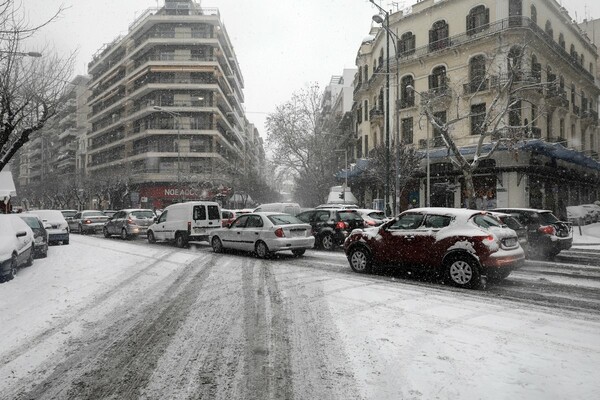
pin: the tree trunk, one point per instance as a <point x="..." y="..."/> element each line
<point x="470" y="188"/>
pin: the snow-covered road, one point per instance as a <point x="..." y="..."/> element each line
<point x="105" y="318"/>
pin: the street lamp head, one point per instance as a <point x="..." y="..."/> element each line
<point x="158" y="108"/>
<point x="377" y="18"/>
<point x="34" y="54"/>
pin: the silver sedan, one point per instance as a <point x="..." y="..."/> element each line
<point x="264" y="233"/>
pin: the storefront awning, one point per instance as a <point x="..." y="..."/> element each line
<point x="7" y="185"/>
<point x="355" y="170"/>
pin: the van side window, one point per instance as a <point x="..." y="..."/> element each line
<point x="213" y="212"/>
<point x="163" y="217"/>
<point x="200" y="213"/>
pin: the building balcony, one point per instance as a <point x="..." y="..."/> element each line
<point x="440" y="95"/>
<point x="375" y="114"/>
<point x="557" y="97"/>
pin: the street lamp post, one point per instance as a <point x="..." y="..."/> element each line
<point x="22" y="53"/>
<point x="178" y="119"/>
<point x="345" y="172"/>
<point x="385" y="23"/>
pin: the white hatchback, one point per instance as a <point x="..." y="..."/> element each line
<point x="16" y="245"/>
<point x="264" y="233"/>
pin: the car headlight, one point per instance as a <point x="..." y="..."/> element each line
<point x="39" y="239"/>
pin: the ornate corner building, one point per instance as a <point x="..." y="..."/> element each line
<point x="166" y="107"/>
<point x="455" y="55"/>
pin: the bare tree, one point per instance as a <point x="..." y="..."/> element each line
<point x="302" y="144"/>
<point x="498" y="124"/>
<point x="30" y="86"/>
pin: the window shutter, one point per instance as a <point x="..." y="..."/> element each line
<point x="432" y="36"/>
<point x="487" y="16"/>
<point x="470" y="24"/>
<point x="431" y="81"/>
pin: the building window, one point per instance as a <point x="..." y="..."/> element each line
<point x="440" y="118"/>
<point x="366" y="145"/>
<point x="514" y="113"/>
<point x="366" y="109"/>
<point x="366" y="71"/>
<point x="536" y="69"/>
<point x="407" y="94"/>
<point x="477" y="119"/>
<point x="515" y="56"/>
<point x="561" y="40"/>
<point x="437" y="79"/>
<point x="438" y="36"/>
<point x="477" y="79"/>
<point x="515" y="12"/>
<point x="406" y="44"/>
<point x="407" y="130"/>
<point x="478" y="20"/>
<point x="533" y="14"/>
<point x="549" y="30"/>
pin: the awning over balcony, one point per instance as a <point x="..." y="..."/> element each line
<point x="355" y="169"/>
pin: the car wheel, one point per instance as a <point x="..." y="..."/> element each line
<point x="360" y="260"/>
<point x="217" y="246"/>
<point x="262" y="251"/>
<point x="44" y="253"/>
<point x="105" y="231"/>
<point x="12" y="272"/>
<point x="124" y="234"/>
<point x="151" y="238"/>
<point x="65" y="241"/>
<point x="326" y="242"/>
<point x="180" y="240"/>
<point x="298" y="252"/>
<point x="462" y="271"/>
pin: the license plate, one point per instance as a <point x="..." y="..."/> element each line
<point x="298" y="232"/>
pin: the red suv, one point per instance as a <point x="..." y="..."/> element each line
<point x="461" y="244"/>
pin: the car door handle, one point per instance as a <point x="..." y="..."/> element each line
<point x="239" y="233"/>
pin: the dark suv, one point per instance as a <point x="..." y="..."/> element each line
<point x="330" y="226"/>
<point x="546" y="234"/>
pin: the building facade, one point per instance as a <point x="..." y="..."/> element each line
<point x="166" y="108"/>
<point x="455" y="55"/>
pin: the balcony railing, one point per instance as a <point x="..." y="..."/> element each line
<point x="375" y="113"/>
<point x="475" y="86"/>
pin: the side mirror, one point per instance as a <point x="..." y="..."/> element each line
<point x="47" y="225"/>
<point x="21" y="233"/>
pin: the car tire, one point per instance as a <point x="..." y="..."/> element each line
<point x="66" y="241"/>
<point x="326" y="241"/>
<point x="151" y="238"/>
<point x="262" y="250"/>
<point x="180" y="240"/>
<point x="81" y="232"/>
<point x="124" y="234"/>
<point x="298" y="252"/>
<point x="14" y="266"/>
<point x="216" y="244"/>
<point x="44" y="254"/>
<point x="462" y="271"/>
<point x="360" y="260"/>
<point x="105" y="231"/>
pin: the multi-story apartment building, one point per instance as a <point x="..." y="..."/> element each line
<point x="54" y="150"/>
<point x="166" y="107"/>
<point x="458" y="53"/>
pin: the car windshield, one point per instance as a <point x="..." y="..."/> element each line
<point x="547" y="218"/>
<point x="284" y="219"/>
<point x="33" y="222"/>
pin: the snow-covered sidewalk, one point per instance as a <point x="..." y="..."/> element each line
<point x="587" y="236"/>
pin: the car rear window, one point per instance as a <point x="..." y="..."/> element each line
<point x="142" y="214"/>
<point x="437" y="221"/>
<point x="284" y="219"/>
<point x="32" y="222"/>
<point x="485" y="221"/>
<point x="377" y="214"/>
<point x="547" y="218"/>
<point x="94" y="214"/>
<point x="349" y="215"/>
<point x="512" y="222"/>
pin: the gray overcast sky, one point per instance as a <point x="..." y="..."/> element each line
<point x="281" y="45"/>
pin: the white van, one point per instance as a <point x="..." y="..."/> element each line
<point x="286" y="208"/>
<point x="183" y="222"/>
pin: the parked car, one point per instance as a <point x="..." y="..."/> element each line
<point x="514" y="224"/>
<point x="58" y="228"/>
<point x="459" y="244"/>
<point x="40" y="234"/>
<point x="109" y="213"/>
<point x="16" y="245"/>
<point x="593" y="210"/>
<point x="88" y="221"/>
<point x="578" y="215"/>
<point x="182" y="222"/>
<point x="68" y="214"/>
<point x="129" y="223"/>
<point x="264" y="233"/>
<point x="331" y="226"/>
<point x="547" y="235"/>
<point x="372" y="217"/>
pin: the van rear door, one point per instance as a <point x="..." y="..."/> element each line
<point x="205" y="217"/>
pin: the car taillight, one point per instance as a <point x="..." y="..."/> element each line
<point x="371" y="223"/>
<point x="547" y="229"/>
<point x="341" y="225"/>
<point x="189" y="226"/>
<point x="279" y="232"/>
<point x="130" y="221"/>
<point x="87" y="221"/>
